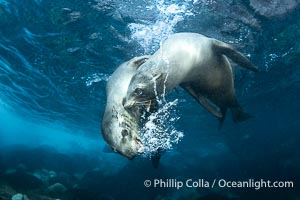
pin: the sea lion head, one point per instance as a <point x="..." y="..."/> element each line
<point x="121" y="133"/>
<point x="143" y="89"/>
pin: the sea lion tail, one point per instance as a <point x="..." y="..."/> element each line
<point x="239" y="115"/>
<point x="233" y="54"/>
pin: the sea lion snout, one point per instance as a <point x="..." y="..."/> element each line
<point x="140" y="147"/>
<point x="136" y="148"/>
<point x="124" y="101"/>
<point x="127" y="104"/>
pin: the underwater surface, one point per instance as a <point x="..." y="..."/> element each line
<point x="56" y="57"/>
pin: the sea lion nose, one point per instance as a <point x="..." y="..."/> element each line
<point x="140" y="145"/>
<point x="141" y="150"/>
<point x="124" y="101"/>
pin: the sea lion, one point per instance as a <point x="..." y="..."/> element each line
<point x="199" y="65"/>
<point x="119" y="126"/>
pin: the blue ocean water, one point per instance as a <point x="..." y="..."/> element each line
<point x="55" y="60"/>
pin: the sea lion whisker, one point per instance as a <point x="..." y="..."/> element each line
<point x="146" y="102"/>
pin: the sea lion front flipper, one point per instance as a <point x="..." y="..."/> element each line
<point x="155" y="157"/>
<point x="208" y="105"/>
<point x="234" y="55"/>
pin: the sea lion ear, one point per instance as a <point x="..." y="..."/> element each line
<point x="138" y="61"/>
<point x="158" y="77"/>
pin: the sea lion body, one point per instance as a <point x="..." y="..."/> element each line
<point x="198" y="64"/>
<point x="119" y="126"/>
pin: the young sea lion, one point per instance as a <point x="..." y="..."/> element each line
<point x="198" y="64"/>
<point x="120" y="127"/>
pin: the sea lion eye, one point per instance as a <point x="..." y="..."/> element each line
<point x="139" y="91"/>
<point x="124" y="133"/>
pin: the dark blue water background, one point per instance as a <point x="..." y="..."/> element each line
<point x="55" y="59"/>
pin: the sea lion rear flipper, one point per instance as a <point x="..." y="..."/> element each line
<point x="239" y="115"/>
<point x="233" y="54"/>
<point x="208" y="105"/>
